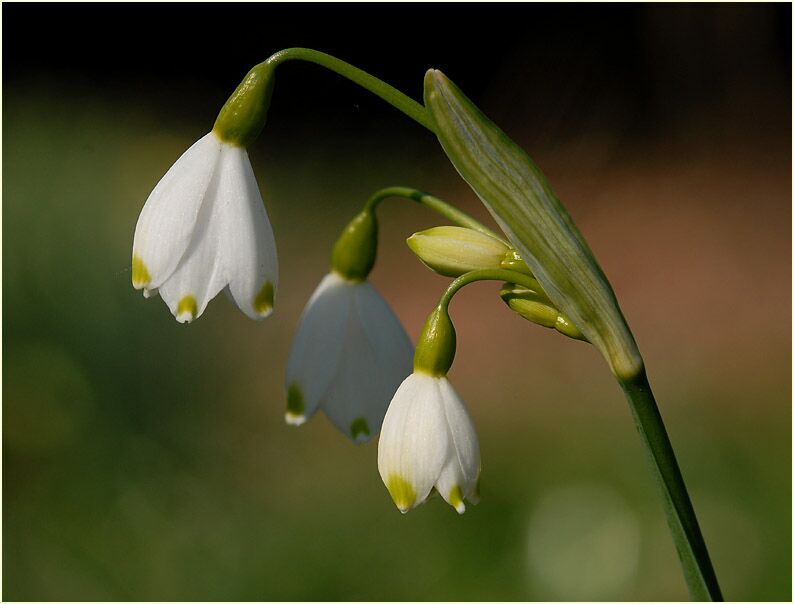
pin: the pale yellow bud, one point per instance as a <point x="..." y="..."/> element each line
<point x="452" y="251"/>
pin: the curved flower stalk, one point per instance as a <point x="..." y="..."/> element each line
<point x="203" y="228"/>
<point x="350" y="352"/>
<point x="428" y="439"/>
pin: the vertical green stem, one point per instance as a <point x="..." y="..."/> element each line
<point x="698" y="571"/>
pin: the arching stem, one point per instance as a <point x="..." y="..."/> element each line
<point x="376" y="86"/>
<point x="490" y="274"/>
<point x="434" y="203"/>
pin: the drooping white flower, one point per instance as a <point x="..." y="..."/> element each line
<point x="204" y="227"/>
<point x="349" y="356"/>
<point x="428" y="440"/>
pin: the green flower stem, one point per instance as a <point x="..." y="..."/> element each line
<point x="378" y="87"/>
<point x="489" y="274"/>
<point x="434" y="203"/>
<point x="698" y="571"/>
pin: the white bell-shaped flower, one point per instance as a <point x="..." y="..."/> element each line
<point x="204" y="227"/>
<point x="428" y="440"/>
<point x="349" y="356"/>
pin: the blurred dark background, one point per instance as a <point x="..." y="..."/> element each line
<point x="147" y="460"/>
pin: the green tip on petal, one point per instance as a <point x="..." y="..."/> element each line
<point x="140" y="274"/>
<point x="401" y="491"/>
<point x="456" y="499"/>
<point x="263" y="302"/>
<point x="295" y="406"/>
<point x="186" y="309"/>
<point x="359" y="430"/>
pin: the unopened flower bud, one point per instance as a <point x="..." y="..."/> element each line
<point x="452" y="251"/>
<point x="536" y="307"/>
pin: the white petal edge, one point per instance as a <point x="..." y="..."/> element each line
<point x="168" y="218"/>
<point x="249" y="249"/>
<point x="462" y="467"/>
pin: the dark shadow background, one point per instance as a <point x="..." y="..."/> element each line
<point x="146" y="460"/>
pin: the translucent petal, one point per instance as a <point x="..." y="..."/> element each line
<point x="318" y="343"/>
<point x="414" y="441"/>
<point x="386" y="335"/>
<point x="249" y="248"/>
<point x="376" y="358"/>
<point x="169" y="216"/>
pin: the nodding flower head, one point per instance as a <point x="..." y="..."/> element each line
<point x="428" y="440"/>
<point x="204" y="228"/>
<point x="350" y="352"/>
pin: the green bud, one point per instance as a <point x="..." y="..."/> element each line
<point x="452" y="251"/>
<point x="354" y="252"/>
<point x="243" y="116"/>
<point x="520" y="198"/>
<point x="536" y="307"/>
<point x="435" y="349"/>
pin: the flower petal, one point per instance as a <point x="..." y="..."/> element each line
<point x="458" y="478"/>
<point x="249" y="248"/>
<point x="317" y="347"/>
<point x="414" y="441"/>
<point x="199" y="276"/>
<point x="376" y="358"/>
<point x="390" y="344"/>
<point x="169" y="215"/>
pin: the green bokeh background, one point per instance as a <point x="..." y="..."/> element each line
<point x="143" y="459"/>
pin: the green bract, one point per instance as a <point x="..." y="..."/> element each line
<point x="243" y="116"/>
<point x="435" y="349"/>
<point x="520" y="198"/>
<point x="354" y="252"/>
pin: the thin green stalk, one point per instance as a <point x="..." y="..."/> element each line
<point x="378" y="87"/>
<point x="434" y="203"/>
<point x="698" y="571"/>
<point x="488" y="274"/>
